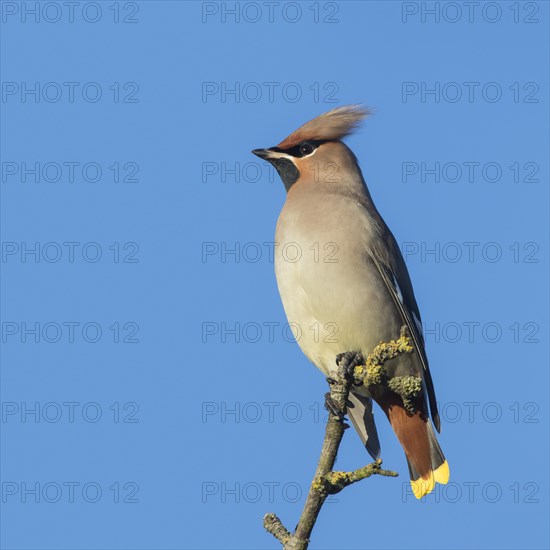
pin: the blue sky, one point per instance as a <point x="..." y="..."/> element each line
<point x="152" y="394"/>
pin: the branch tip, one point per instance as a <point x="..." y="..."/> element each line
<point x="274" y="525"/>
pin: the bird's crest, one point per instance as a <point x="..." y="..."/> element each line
<point x="332" y="125"/>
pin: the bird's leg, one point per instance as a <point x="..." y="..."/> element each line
<point x="333" y="407"/>
<point x="336" y="402"/>
<point x="349" y="360"/>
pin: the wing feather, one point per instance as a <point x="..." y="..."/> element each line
<point x="406" y="303"/>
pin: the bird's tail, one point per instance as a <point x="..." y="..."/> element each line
<point x="427" y="464"/>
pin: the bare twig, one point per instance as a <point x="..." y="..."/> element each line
<point x="326" y="481"/>
<point x="274" y="525"/>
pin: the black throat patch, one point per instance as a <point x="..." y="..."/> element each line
<point x="287" y="171"/>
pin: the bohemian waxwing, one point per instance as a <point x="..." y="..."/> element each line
<point x="344" y="283"/>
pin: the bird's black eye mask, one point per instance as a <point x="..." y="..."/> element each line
<point x="287" y="170"/>
<point x="303" y="149"/>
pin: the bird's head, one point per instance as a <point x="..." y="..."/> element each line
<point x="314" y="152"/>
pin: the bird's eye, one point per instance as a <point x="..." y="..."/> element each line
<point x="306" y="149"/>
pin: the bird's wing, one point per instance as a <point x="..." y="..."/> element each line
<point x="395" y="274"/>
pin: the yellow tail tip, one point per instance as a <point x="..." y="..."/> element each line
<point x="424" y="486"/>
<point x="442" y="473"/>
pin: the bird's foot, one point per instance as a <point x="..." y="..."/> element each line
<point x="347" y="362"/>
<point x="333" y="407"/>
<point x="340" y="381"/>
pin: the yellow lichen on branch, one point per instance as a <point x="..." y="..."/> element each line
<point x="333" y="482"/>
<point x="373" y="371"/>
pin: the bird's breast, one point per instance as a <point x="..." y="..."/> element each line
<point x="332" y="294"/>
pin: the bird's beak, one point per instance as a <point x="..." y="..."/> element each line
<point x="266" y="154"/>
<point x="282" y="162"/>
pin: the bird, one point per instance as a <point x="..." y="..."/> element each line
<point x="347" y="281"/>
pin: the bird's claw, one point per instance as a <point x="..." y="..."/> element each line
<point x="332" y="407"/>
<point x="348" y="361"/>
